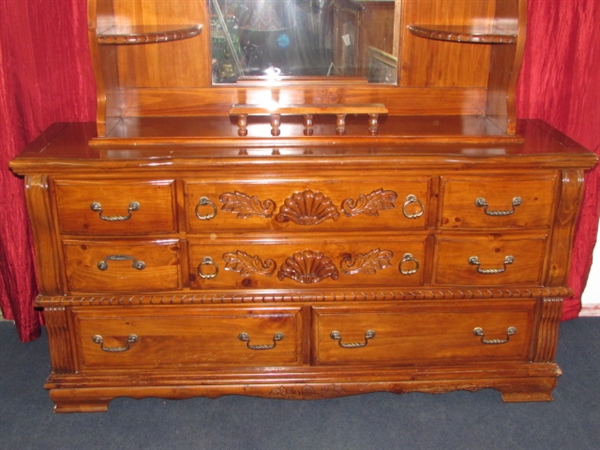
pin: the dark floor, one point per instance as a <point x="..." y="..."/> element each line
<point x="457" y="420"/>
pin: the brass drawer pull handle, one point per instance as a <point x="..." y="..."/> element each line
<point x="337" y="336"/>
<point x="136" y="264"/>
<point x="244" y="337"/>
<point x="132" y="339"/>
<point x="481" y="202"/>
<point x="474" y="261"/>
<point x="97" y="207"/>
<point x="510" y="331"/>
<point x="409" y="265"/>
<point x="411" y="200"/>
<point x="203" y="202"/>
<point x="207" y="261"/>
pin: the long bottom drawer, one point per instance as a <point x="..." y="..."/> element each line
<point x="171" y="337"/>
<point x="416" y="333"/>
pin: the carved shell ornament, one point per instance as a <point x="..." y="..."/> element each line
<point x="370" y="204"/>
<point x="308" y="267"/>
<point x="245" y="206"/>
<point x="247" y="265"/>
<point x="307" y="208"/>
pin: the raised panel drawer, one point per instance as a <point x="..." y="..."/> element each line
<point x="321" y="204"/>
<point x="167" y="337"/>
<point x="341" y="261"/>
<point x="118" y="266"/>
<point x="415" y="332"/>
<point x="490" y="260"/>
<point x="116" y="207"/>
<point x="497" y="202"/>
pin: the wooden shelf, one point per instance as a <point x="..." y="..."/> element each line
<point x="467" y="34"/>
<point x="223" y="131"/>
<point x="128" y="35"/>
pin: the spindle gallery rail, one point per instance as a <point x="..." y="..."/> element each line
<point x="373" y="110"/>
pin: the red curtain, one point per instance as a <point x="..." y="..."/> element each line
<point x="46" y="76"/>
<point x="560" y="83"/>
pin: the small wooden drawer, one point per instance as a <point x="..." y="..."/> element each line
<point x="116" y="207"/>
<point x="489" y="260"/>
<point x="109" y="338"/>
<point x="420" y="332"/>
<point x="497" y="202"/>
<point x="303" y="262"/>
<point x="118" y="266"/>
<point x="297" y="205"/>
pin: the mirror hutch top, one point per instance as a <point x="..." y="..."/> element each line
<point x="306" y="72"/>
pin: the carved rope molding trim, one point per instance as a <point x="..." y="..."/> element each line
<point x="215" y="297"/>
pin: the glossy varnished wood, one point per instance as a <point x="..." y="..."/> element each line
<point x="204" y="337"/>
<point x="178" y="257"/>
<point x="303" y="242"/>
<point x="435" y="77"/>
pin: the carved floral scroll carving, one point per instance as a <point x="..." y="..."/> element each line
<point x="367" y="263"/>
<point x="247" y="265"/>
<point x="308" y="267"/>
<point x="245" y="206"/>
<point x="307" y="208"/>
<point x="369" y="204"/>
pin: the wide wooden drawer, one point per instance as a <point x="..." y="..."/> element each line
<point x="118" y="266"/>
<point x="121" y="338"/>
<point x="497" y="202"/>
<point x="116" y="207"/>
<point x="299" y="205"/>
<point x="419" y="332"/>
<point x="304" y="262"/>
<point x="489" y="260"/>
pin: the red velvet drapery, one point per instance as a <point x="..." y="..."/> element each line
<point x="46" y="76"/>
<point x="560" y="83"/>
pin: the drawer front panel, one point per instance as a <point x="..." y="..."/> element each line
<point x="489" y="260"/>
<point x="425" y="332"/>
<point x="298" y="205"/>
<point x="380" y="260"/>
<point x="118" y="266"/>
<point x="116" y="207"/>
<point x="122" y="338"/>
<point x="495" y="202"/>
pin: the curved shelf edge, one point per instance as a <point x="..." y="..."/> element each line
<point x="144" y="36"/>
<point x="465" y="34"/>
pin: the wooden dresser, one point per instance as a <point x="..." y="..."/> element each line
<point x="426" y="249"/>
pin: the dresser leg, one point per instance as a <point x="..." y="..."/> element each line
<point x="76" y="401"/>
<point x="531" y="390"/>
<point x="515" y="397"/>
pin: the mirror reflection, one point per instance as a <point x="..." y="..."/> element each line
<point x="277" y="39"/>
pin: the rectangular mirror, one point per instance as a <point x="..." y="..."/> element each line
<point x="258" y="40"/>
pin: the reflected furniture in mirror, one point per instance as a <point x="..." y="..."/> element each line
<point x="238" y="221"/>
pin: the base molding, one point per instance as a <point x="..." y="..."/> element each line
<point x="77" y="393"/>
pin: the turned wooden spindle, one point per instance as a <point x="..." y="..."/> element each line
<point x="340" y="110"/>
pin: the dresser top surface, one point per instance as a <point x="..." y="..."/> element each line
<point x="67" y="147"/>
